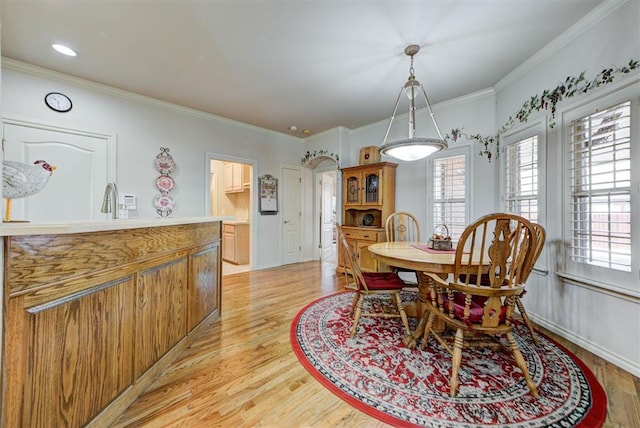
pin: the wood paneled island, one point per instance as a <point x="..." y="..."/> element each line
<point x="94" y="312"/>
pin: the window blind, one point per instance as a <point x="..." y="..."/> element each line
<point x="521" y="178"/>
<point x="449" y="194"/>
<point x="600" y="188"/>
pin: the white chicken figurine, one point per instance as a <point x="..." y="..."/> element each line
<point x="20" y="180"/>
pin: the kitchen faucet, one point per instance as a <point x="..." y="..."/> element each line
<point x="110" y="200"/>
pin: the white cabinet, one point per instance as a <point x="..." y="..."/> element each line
<point x="235" y="243"/>
<point x="237" y="177"/>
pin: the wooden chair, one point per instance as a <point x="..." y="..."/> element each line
<point x="343" y="263"/>
<point x="541" y="235"/>
<point x="403" y="227"/>
<point x="371" y="285"/>
<point x="500" y="248"/>
<point x="540" y="239"/>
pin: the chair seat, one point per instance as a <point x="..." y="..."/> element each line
<point x="476" y="310"/>
<point x="383" y="281"/>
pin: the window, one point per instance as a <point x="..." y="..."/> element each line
<point x="449" y="187"/>
<point x="521" y="178"/>
<point x="599" y="218"/>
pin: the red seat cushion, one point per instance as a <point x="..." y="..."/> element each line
<point x="383" y="281"/>
<point x="476" y="309"/>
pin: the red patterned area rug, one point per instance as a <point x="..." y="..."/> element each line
<point x="375" y="373"/>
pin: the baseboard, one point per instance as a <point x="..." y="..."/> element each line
<point x="632" y="367"/>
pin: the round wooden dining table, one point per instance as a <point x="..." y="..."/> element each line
<point x="416" y="256"/>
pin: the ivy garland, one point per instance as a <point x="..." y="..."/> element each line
<point x="548" y="100"/>
<point x="310" y="156"/>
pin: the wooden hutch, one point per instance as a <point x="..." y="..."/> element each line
<point x="368" y="198"/>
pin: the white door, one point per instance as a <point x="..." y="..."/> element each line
<point x="84" y="162"/>
<point x="327" y="244"/>
<point x="291" y="215"/>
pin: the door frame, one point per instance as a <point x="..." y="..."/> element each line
<point x="209" y="156"/>
<point x="317" y="189"/>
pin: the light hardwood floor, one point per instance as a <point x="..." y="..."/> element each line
<point x="242" y="372"/>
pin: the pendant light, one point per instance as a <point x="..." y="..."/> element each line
<point x="412" y="148"/>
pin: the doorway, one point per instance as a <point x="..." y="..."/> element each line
<point x="327" y="215"/>
<point x="230" y="190"/>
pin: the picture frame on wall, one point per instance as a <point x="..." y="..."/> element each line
<point x="268" y="195"/>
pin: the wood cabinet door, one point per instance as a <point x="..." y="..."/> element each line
<point x="237" y="177"/>
<point x="367" y="262"/>
<point x="372" y="182"/>
<point x="65" y="351"/>
<point x="233" y="177"/>
<point x="229" y="245"/>
<point x="161" y="312"/>
<point x="246" y="176"/>
<point x="227" y="177"/>
<point x="352" y="189"/>
<point x="204" y="284"/>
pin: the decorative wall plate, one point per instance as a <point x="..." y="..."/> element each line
<point x="165" y="183"/>
<point x="164" y="204"/>
<point x="164" y="162"/>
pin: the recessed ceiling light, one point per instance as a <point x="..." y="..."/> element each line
<point x="64" y="50"/>
<point x="293" y="128"/>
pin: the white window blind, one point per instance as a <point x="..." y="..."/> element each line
<point x="449" y="194"/>
<point x="521" y="178"/>
<point x="600" y="188"/>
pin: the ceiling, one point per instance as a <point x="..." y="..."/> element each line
<point x="276" y="63"/>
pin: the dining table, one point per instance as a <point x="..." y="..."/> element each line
<point x="419" y="257"/>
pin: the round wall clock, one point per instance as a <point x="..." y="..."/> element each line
<point x="58" y="102"/>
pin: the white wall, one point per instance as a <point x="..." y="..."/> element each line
<point x="605" y="323"/>
<point x="142" y="126"/>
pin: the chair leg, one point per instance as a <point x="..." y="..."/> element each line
<point x="527" y="321"/>
<point x="455" y="362"/>
<point x="403" y="314"/>
<point x="427" y="329"/>
<point x="354" y="303"/>
<point x="517" y="355"/>
<point x="358" y="314"/>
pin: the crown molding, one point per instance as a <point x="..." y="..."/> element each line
<point x="34" y="70"/>
<point x="589" y="20"/>
<point x="465" y="99"/>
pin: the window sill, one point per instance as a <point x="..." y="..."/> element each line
<point x="612" y="290"/>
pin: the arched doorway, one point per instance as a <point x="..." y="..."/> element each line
<point x="326" y="180"/>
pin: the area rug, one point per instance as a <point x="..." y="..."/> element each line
<point x="378" y="375"/>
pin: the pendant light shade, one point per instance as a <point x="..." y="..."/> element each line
<point x="412" y="148"/>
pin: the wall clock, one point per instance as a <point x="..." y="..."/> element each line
<point x="58" y="102"/>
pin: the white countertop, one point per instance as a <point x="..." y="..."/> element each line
<point x="236" y="222"/>
<point x="15" y="229"/>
